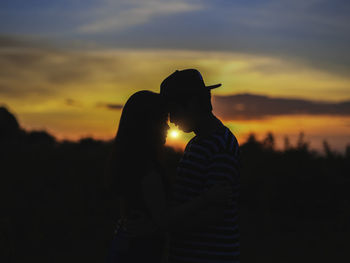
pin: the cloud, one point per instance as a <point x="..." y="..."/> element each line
<point x="316" y="32"/>
<point x="110" y="106"/>
<point x="255" y="107"/>
<point x="116" y="16"/>
<point x="72" y="102"/>
<point x="36" y="71"/>
<point x="11" y="41"/>
<point x="303" y="30"/>
<point x="45" y="76"/>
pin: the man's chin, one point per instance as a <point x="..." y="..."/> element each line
<point x="185" y="129"/>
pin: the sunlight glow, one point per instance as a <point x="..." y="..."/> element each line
<point x="174" y="134"/>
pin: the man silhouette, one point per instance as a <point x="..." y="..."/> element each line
<point x="210" y="157"/>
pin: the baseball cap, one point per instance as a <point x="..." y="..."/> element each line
<point x="182" y="83"/>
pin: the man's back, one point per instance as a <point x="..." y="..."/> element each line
<point x="207" y="161"/>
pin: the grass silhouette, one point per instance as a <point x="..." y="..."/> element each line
<point x="56" y="205"/>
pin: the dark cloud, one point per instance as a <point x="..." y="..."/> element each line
<point x="249" y="107"/>
<point x="316" y="31"/>
<point x="10" y="41"/>
<point x="72" y="102"/>
<point x="36" y="69"/>
<point x="110" y="106"/>
<point x="303" y="30"/>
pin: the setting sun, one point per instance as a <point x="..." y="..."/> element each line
<point x="174" y="134"/>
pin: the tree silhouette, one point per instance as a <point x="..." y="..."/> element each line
<point x="57" y="208"/>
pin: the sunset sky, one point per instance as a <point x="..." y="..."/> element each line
<point x="68" y="66"/>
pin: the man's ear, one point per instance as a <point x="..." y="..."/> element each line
<point x="194" y="104"/>
<point x="189" y="103"/>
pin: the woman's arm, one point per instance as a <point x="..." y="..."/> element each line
<point x="208" y="207"/>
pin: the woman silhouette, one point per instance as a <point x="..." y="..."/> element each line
<point x="138" y="184"/>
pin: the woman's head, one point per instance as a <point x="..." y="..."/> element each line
<point x="141" y="133"/>
<point x="143" y="122"/>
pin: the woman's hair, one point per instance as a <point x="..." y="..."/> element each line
<point x="135" y="145"/>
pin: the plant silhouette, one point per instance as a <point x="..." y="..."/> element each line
<point x="56" y="205"/>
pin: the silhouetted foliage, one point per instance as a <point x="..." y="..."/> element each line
<point x="269" y="142"/>
<point x="55" y="204"/>
<point x="9" y="126"/>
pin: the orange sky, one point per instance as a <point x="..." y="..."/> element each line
<point x="68" y="66"/>
<point x="66" y="92"/>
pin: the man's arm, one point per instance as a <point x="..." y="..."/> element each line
<point x="202" y="208"/>
<point x="223" y="168"/>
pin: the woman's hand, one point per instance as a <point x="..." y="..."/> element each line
<point x="219" y="194"/>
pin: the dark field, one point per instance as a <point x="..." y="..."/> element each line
<point x="56" y="206"/>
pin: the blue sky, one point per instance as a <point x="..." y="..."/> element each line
<point x="317" y="31"/>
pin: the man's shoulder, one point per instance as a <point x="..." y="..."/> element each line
<point x="225" y="141"/>
<point x="220" y="141"/>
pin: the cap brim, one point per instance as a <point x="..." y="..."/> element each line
<point x="213" y="86"/>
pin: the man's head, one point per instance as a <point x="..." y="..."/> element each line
<point x="187" y="97"/>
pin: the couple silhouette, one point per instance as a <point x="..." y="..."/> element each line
<point x="197" y="220"/>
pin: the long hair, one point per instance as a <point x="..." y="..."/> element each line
<point x="136" y="143"/>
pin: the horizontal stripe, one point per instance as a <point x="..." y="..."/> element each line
<point x="211" y="231"/>
<point x="214" y="245"/>
<point x="192" y="165"/>
<point x="225" y="157"/>
<point x="176" y="240"/>
<point x="223" y="172"/>
<point x="197" y="155"/>
<point x="189" y="182"/>
<point x="185" y="189"/>
<point x="192" y="179"/>
<point x="185" y="171"/>
<point x="214" y="148"/>
<point x="228" y="167"/>
<point x="208" y="250"/>
<point x="219" y="141"/>
<point x="215" y="235"/>
<point x="224" y="228"/>
<point x="179" y="259"/>
<point x="198" y="149"/>
<point x="205" y="255"/>
<point x="178" y="190"/>
<point x="195" y="163"/>
<point x="233" y="219"/>
<point x="222" y="139"/>
<point x="217" y="177"/>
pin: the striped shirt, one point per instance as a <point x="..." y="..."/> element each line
<point x="207" y="161"/>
